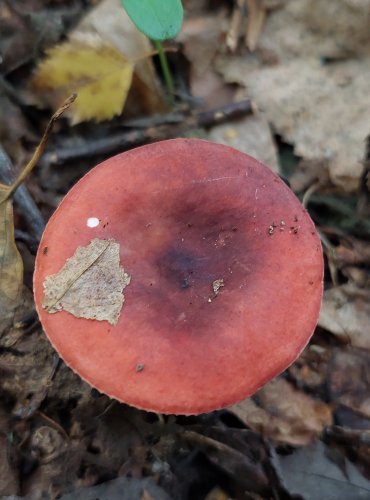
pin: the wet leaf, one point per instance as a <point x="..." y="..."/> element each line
<point x="90" y="283"/>
<point x="310" y="474"/>
<point x="98" y="72"/>
<point x="158" y="20"/>
<point x="233" y="462"/>
<point x="122" y="488"/>
<point x="11" y="265"/>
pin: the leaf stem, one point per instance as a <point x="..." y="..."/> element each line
<point x="6" y="192"/>
<point x="166" y="70"/>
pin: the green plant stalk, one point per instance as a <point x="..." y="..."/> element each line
<point x="166" y="70"/>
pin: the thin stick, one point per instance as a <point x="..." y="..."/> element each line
<point x="171" y="125"/>
<point x="307" y="195"/>
<point x="40" y="148"/>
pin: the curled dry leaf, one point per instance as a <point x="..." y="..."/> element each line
<point x="90" y="283"/>
<point x="98" y="72"/>
<point x="284" y="414"/>
<point x="11" y="265"/>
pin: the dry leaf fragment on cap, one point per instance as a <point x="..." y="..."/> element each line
<point x="90" y="284"/>
<point x="97" y="71"/>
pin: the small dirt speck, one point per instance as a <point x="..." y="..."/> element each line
<point x="271" y="229"/>
<point x="139" y="367"/>
<point x="216" y="285"/>
<point x="185" y="283"/>
<point x="45" y="250"/>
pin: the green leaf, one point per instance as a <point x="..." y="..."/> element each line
<point x="157" y="19"/>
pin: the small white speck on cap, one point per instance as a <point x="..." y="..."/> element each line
<point x="92" y="222"/>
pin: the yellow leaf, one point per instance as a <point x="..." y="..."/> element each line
<point x="11" y="266"/>
<point x="98" y="73"/>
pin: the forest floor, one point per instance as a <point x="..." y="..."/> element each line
<point x="286" y="81"/>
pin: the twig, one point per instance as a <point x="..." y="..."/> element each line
<point x="23" y="200"/>
<point x="53" y="424"/>
<point x="40" y="148"/>
<point x="22" y="196"/>
<point x="126" y="140"/>
<point x="329" y="250"/>
<point x="225" y="113"/>
<point x="256" y="19"/>
<point x="235" y="23"/>
<point x="309" y="192"/>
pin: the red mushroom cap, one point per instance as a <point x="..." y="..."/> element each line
<point x="226" y="276"/>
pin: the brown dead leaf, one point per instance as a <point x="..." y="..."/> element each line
<point x="284" y="414"/>
<point x="98" y="73"/>
<point x="251" y="135"/>
<point x="349" y="380"/>
<point x="318" y="103"/>
<point x="201" y="38"/>
<point x="90" y="283"/>
<point x="11" y="265"/>
<point x="317" y="84"/>
<point x="345" y="313"/>
<point x="352" y="251"/>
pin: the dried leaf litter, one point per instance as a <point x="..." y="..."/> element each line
<point x="90" y="284"/>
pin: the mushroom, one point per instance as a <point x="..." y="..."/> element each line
<point x="225" y="274"/>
